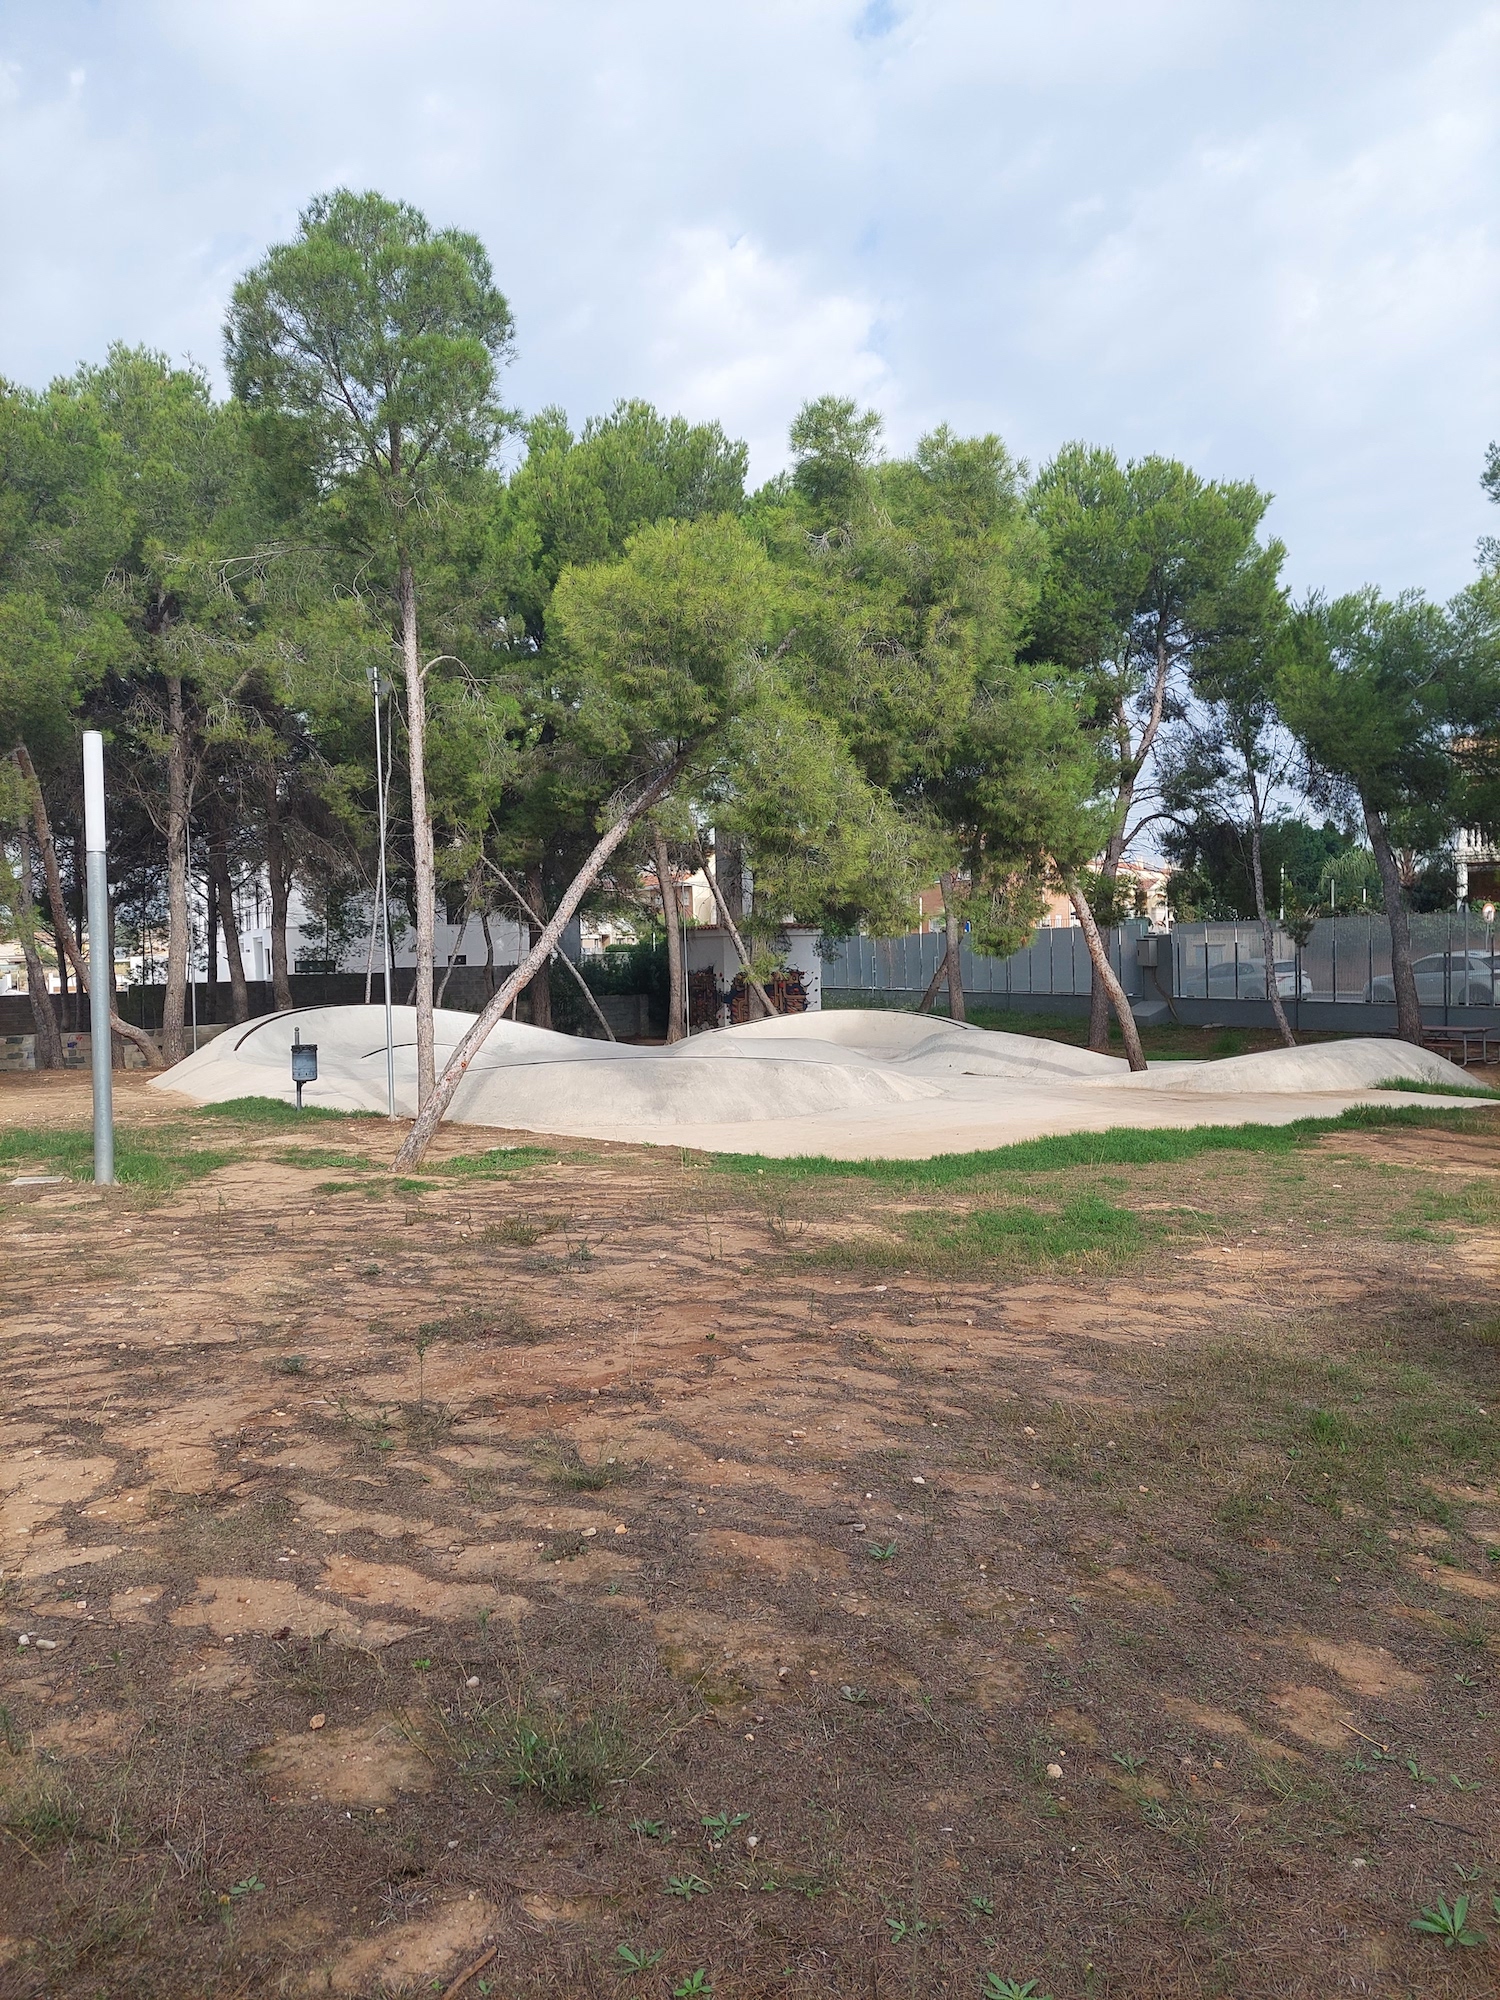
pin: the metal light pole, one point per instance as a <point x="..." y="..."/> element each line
<point x="99" y="966"/>
<point x="385" y="911"/>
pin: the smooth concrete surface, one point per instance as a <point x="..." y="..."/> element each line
<point x="850" y="1084"/>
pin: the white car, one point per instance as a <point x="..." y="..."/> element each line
<point x="1252" y="980"/>
<point x="1469" y="977"/>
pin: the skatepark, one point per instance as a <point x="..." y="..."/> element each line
<point x="849" y="1084"/>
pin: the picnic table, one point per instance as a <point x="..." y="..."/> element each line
<point x="1464" y="1045"/>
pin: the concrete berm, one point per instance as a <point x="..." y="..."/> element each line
<point x="850" y="1085"/>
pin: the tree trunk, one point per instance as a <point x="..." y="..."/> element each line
<point x="67" y="944"/>
<point x="471" y="891"/>
<point x="940" y="973"/>
<point x="489" y="954"/>
<point x="739" y="944"/>
<point x="541" y="986"/>
<point x="211" y="942"/>
<point x="1104" y="974"/>
<point x="948" y="885"/>
<point x="174" y="994"/>
<point x="729" y="869"/>
<point x="1132" y="763"/>
<point x="425" y="870"/>
<point x="1408" y="1007"/>
<point x="430" y="1115"/>
<point x="561" y="958"/>
<point x="1267" y="937"/>
<point x="229" y="924"/>
<point x="279" y="873"/>
<point x="1098" y="992"/>
<point x="116" y="1046"/>
<point x="49" y="1047"/>
<point x="66" y="1007"/>
<point x="666" y="882"/>
<point x="80" y="924"/>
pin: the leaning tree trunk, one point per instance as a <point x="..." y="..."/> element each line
<point x="49" y="1046"/>
<point x="67" y="945"/>
<point x="541" y="987"/>
<point x="1408" y="1007"/>
<point x="1099" y="997"/>
<point x="229" y="924"/>
<point x="424" y="875"/>
<point x="949" y="886"/>
<point x="1104" y="974"/>
<point x="558" y="958"/>
<point x="489" y="954"/>
<point x="729" y="872"/>
<point x="939" y="974"/>
<point x="739" y="943"/>
<point x="666" y="882"/>
<point x="1267" y="937"/>
<point x="174" y="995"/>
<point x="471" y="892"/>
<point x="430" y="1115"/>
<point x="279" y="874"/>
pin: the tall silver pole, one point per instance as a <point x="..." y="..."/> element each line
<point x="98" y="960"/>
<point x="192" y="924"/>
<point x="385" y="913"/>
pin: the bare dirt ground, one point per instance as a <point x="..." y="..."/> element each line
<point x="598" y="1571"/>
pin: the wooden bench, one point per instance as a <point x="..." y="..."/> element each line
<point x="1464" y="1045"/>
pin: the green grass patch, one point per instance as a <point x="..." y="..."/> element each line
<point x="1087" y="1231"/>
<point x="271" y="1112"/>
<point x="159" y="1159"/>
<point x="499" y="1160"/>
<point x="323" y="1158"/>
<point x="1410" y="1083"/>
<point x="1120" y="1145"/>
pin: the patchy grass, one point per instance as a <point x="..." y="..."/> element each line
<point x="506" y="1324"/>
<point x="494" y="1164"/>
<point x="1086" y="1233"/>
<point x="566" y="1467"/>
<point x="158" y="1159"/>
<point x="1410" y="1083"/>
<point x="1012" y="1619"/>
<point x="533" y="1748"/>
<point x="270" y="1113"/>
<point x="1119" y="1145"/>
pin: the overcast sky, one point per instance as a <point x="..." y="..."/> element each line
<point x="1256" y="234"/>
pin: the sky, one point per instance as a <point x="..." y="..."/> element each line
<point x="1257" y="235"/>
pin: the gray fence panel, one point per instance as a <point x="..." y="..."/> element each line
<point x="1055" y="961"/>
<point x="1345" y="961"/>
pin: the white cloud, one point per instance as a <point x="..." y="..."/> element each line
<point x="737" y="334"/>
<point x="1256" y="234"/>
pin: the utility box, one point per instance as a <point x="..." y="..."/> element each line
<point x="1146" y="953"/>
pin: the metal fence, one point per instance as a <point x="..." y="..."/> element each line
<point x="1345" y="961"/>
<point x="1055" y="962"/>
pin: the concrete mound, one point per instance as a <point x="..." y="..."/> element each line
<point x="851" y="1084"/>
<point x="1323" y="1066"/>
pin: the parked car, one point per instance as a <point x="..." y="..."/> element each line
<point x="1461" y="978"/>
<point x="1252" y="979"/>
